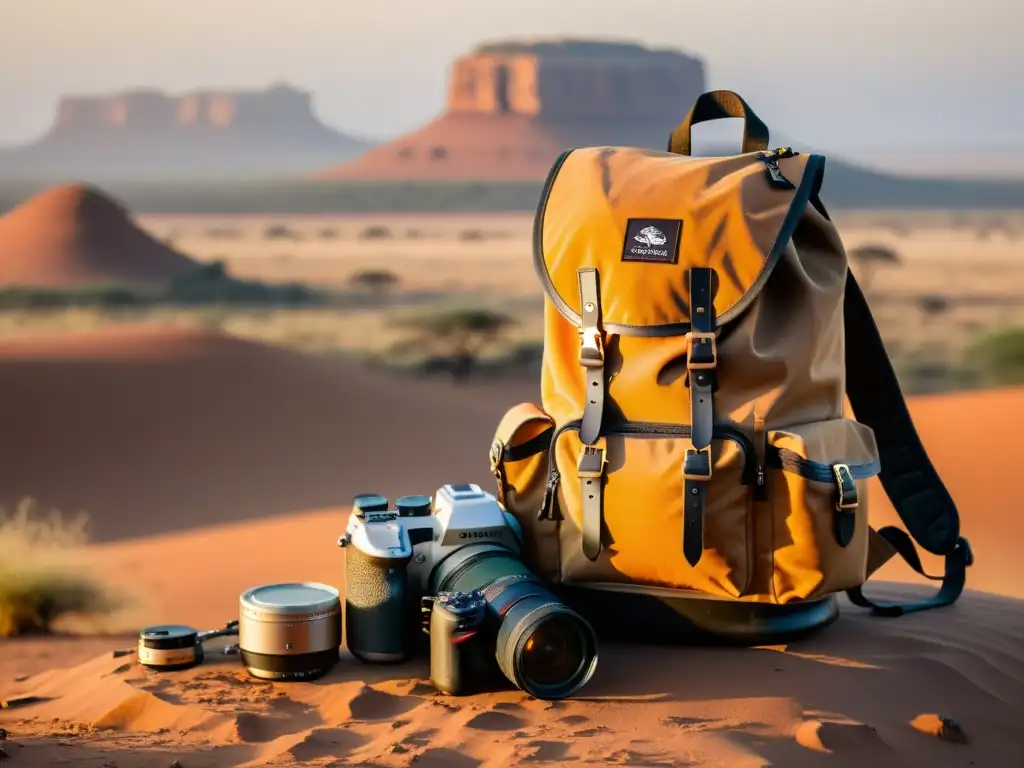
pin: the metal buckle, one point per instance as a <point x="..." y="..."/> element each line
<point x="592" y="462"/>
<point x="497" y="449"/>
<point x="697" y="464"/>
<point x="838" y="470"/>
<point x="701" y="338"/>
<point x="591" y="348"/>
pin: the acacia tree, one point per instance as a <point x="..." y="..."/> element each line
<point x="868" y="258"/>
<point x="456" y="336"/>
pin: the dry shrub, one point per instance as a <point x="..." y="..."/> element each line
<point x="43" y="576"/>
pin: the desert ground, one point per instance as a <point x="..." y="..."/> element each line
<point x="959" y="275"/>
<point x="216" y="449"/>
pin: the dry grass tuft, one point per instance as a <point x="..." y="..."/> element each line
<point x="43" y="575"/>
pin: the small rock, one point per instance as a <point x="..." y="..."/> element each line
<point x="3" y="734"/>
<point x="945" y="728"/>
<point x="176" y="764"/>
<point x="119" y="654"/>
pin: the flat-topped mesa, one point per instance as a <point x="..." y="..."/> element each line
<point x="575" y="79"/>
<point x="151" y="111"/>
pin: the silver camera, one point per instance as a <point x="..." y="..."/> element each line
<point x="464" y="541"/>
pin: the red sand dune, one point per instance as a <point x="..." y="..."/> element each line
<point x="865" y="691"/>
<point x="152" y="430"/>
<point x="75" y="235"/>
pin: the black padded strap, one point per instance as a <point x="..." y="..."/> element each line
<point x="701" y="362"/>
<point x="953" y="579"/>
<point x="908" y="476"/>
<point x="591" y="354"/>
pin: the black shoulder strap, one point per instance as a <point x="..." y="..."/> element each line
<point x="908" y="477"/>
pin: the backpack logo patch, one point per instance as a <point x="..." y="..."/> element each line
<point x="651" y="236"/>
<point x="652" y="240"/>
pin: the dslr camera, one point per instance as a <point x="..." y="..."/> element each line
<point x="452" y="567"/>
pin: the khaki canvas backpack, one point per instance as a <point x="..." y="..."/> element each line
<point x="702" y="333"/>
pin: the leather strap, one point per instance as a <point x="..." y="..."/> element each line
<point x="701" y="363"/>
<point x="845" y="519"/>
<point x="591" y="470"/>
<point x="696" y="476"/>
<point x="591" y="354"/>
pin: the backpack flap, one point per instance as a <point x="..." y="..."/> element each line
<point x="641" y="219"/>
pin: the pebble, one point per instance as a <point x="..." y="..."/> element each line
<point x="945" y="728"/>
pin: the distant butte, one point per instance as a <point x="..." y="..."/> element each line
<point x="204" y="134"/>
<point x="513" y="107"/>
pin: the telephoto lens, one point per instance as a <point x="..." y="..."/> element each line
<point x="543" y="647"/>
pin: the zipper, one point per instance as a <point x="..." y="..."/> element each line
<point x="751" y="470"/>
<point x="820" y="472"/>
<point x="761" y="448"/>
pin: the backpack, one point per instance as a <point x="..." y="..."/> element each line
<point x="702" y="332"/>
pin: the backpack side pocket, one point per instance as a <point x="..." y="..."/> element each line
<point x="519" y="463"/>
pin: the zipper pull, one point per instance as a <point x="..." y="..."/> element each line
<point x="761" y="449"/>
<point x="548" y="503"/>
<point x="771" y="167"/>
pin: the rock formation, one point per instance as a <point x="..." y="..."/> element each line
<point x="513" y="107"/>
<point x="73" y="236"/>
<point x="148" y="134"/>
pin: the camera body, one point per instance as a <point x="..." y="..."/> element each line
<point x="396" y="556"/>
<point x="461" y="650"/>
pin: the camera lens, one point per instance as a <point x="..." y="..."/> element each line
<point x="546" y="648"/>
<point x="552" y="653"/>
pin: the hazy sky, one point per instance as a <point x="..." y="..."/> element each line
<point x="831" y="73"/>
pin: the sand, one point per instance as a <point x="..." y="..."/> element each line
<point x="865" y="691"/>
<point x="152" y="429"/>
<point x="74" y="235"/>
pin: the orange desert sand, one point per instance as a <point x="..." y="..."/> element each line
<point x="74" y="235"/>
<point x="210" y="465"/>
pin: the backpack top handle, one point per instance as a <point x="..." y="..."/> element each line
<point x="717" y="105"/>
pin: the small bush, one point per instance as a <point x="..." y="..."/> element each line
<point x="54" y="298"/>
<point x="374" y="280"/>
<point x="279" y="232"/>
<point x="999" y="357"/>
<point x="458" y="336"/>
<point x="41" y="580"/>
<point x="375" y="233"/>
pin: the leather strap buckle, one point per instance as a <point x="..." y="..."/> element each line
<point x="591" y="348"/>
<point x="592" y="462"/>
<point x="496" y="452"/>
<point x="701" y="351"/>
<point x="846" y="487"/>
<point x="697" y="464"/>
